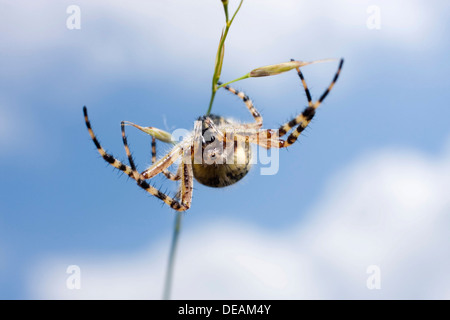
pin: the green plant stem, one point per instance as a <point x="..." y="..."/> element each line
<point x="219" y="61"/>
<point x="238" y="79"/>
<point x="179" y="215"/>
<point x="173" y="249"/>
<point x="213" y="95"/>
<point x="225" y="8"/>
<point x="217" y="67"/>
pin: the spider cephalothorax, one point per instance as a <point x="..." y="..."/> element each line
<point x="217" y="153"/>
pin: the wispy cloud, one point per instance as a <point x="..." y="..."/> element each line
<point x="132" y="33"/>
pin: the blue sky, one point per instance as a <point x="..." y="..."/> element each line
<point x="370" y="169"/>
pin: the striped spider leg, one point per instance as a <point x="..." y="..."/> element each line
<point x="270" y="138"/>
<point x="234" y="137"/>
<point x="182" y="150"/>
<point x="169" y="175"/>
<point x="249" y="104"/>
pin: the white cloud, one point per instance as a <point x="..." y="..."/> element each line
<point x="389" y="209"/>
<point x="134" y="33"/>
<point x="173" y="41"/>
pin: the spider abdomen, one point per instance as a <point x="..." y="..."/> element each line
<point x="220" y="175"/>
<point x="221" y="163"/>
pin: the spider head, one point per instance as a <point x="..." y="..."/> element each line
<point x="213" y="149"/>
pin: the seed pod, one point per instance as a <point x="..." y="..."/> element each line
<point x="159" y="134"/>
<point x="280" y="68"/>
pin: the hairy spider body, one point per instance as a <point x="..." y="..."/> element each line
<point x="217" y="153"/>
<point x="219" y="166"/>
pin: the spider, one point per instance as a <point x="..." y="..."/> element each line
<point x="217" y="152"/>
